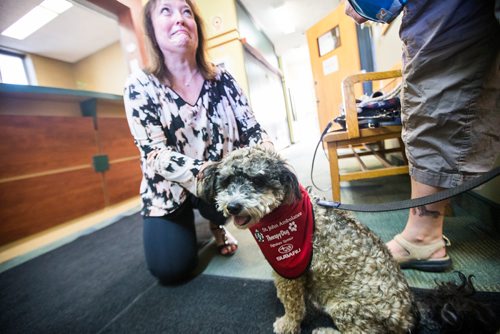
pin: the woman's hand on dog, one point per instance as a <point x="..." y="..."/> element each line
<point x="268" y="145"/>
<point x="205" y="187"/>
<point x="203" y="167"/>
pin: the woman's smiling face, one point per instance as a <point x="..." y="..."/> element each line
<point x="175" y="26"/>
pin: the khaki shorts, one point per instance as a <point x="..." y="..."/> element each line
<point x="451" y="90"/>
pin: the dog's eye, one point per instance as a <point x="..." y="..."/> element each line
<point x="260" y="181"/>
<point x="224" y="183"/>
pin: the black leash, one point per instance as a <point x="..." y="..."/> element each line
<point x="412" y="203"/>
<point x="314" y="155"/>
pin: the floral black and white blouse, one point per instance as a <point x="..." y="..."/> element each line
<point x="175" y="138"/>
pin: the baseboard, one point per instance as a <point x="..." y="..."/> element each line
<point x="27" y="248"/>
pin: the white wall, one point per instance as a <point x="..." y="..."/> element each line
<point x="387" y="45"/>
<point x="300" y="84"/>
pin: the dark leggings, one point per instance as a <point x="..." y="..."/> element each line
<point x="170" y="241"/>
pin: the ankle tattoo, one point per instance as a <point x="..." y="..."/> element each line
<point x="422" y="211"/>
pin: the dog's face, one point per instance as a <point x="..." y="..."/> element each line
<point x="248" y="184"/>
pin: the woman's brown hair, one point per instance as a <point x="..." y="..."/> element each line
<point x="157" y="66"/>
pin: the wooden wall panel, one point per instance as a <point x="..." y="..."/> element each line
<point x="107" y="109"/>
<point x="47" y="143"/>
<point x="32" y="205"/>
<point x="115" y="138"/>
<point x="123" y="180"/>
<point x="34" y="144"/>
<point x="22" y="105"/>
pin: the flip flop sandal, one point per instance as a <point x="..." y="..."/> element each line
<point x="227" y="238"/>
<point x="419" y="256"/>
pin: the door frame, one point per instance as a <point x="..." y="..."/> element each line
<point x="129" y="14"/>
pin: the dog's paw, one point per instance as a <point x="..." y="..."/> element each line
<point x="285" y="325"/>
<point x="325" y="330"/>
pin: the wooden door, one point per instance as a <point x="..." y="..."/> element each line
<point x="334" y="54"/>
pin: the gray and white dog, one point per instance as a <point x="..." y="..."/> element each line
<point x="352" y="276"/>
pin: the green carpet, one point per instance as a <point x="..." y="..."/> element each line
<point x="474" y="227"/>
<point x="475" y="249"/>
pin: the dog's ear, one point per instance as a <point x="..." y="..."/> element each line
<point x="206" y="186"/>
<point x="290" y="184"/>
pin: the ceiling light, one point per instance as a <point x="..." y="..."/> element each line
<point x="36" y="18"/>
<point x="284" y="18"/>
<point x="288" y="28"/>
<point x="29" y="23"/>
<point x="57" y="6"/>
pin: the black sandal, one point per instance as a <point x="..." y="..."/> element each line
<point x="227" y="239"/>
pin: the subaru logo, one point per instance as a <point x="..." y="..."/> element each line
<point x="286" y="248"/>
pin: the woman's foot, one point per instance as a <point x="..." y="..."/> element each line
<point x="226" y="243"/>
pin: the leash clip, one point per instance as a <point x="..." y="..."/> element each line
<point x="329" y="204"/>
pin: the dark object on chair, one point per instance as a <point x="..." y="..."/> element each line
<point x="375" y="113"/>
<point x="362" y="138"/>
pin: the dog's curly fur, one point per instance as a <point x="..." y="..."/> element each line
<point x="352" y="276"/>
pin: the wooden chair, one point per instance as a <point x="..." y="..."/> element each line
<point x="362" y="142"/>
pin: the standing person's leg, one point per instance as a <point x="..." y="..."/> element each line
<point x="421" y="243"/>
<point x="170" y="245"/>
<point x="226" y="243"/>
<point x="448" y="113"/>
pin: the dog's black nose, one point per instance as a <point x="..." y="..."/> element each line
<point x="234" y="208"/>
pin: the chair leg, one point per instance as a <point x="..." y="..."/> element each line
<point x="334" y="170"/>
<point x="403" y="151"/>
<point x="381" y="149"/>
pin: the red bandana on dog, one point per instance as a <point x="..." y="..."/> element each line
<point x="285" y="237"/>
